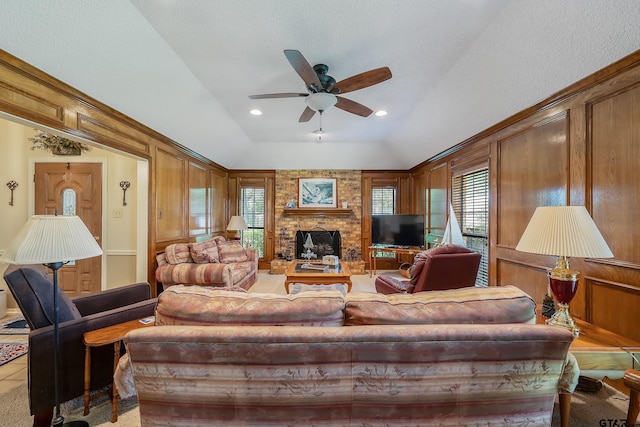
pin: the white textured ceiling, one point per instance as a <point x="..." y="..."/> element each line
<point x="186" y="68"/>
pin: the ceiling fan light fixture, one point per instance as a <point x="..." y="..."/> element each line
<point x="321" y="101"/>
<point x="255" y="112"/>
<point x="381" y="113"/>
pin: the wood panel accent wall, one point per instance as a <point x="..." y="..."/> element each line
<point x="30" y="94"/>
<point x="399" y="180"/>
<point x="257" y="179"/>
<point x="581" y="146"/>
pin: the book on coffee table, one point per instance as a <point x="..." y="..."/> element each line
<point x="315" y="267"/>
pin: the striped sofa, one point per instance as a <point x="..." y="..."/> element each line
<point x="463" y="357"/>
<point x="213" y="262"/>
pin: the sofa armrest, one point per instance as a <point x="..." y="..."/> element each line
<point x="252" y="255"/>
<point x="112" y="298"/>
<point x="570" y="375"/>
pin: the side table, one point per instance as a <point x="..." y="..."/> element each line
<point x="99" y="337"/>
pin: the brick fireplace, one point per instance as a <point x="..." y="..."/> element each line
<point x="287" y="224"/>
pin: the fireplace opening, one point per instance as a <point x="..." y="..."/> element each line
<point x="316" y="243"/>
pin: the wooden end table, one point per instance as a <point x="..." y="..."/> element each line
<point x="295" y="274"/>
<point x="597" y="349"/>
<point x="97" y="338"/>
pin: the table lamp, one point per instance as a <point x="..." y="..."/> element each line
<point x="54" y="241"/>
<point x="237" y="224"/>
<point x="563" y="231"/>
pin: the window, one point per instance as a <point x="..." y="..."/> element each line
<point x="252" y="210"/>
<point x="383" y="202"/>
<point x="470" y="200"/>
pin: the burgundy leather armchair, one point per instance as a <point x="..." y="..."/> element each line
<point x="32" y="288"/>
<point x="443" y="267"/>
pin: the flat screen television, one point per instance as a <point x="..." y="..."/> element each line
<point x="397" y="230"/>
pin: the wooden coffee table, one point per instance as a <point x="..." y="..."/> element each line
<point x="99" y="337"/>
<point x="296" y="274"/>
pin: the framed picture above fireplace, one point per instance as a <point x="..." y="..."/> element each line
<point x="317" y="192"/>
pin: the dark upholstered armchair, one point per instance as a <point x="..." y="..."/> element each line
<point x="443" y="267"/>
<point x="32" y="287"/>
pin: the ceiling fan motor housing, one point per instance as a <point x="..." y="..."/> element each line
<point x="326" y="80"/>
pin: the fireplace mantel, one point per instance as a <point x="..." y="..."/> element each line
<point x="318" y="211"/>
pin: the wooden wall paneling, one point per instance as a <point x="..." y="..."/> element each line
<point x="532" y="172"/>
<point x="269" y="221"/>
<point x="199" y="200"/>
<point x="418" y="192"/>
<point x="258" y="179"/>
<point x="171" y="196"/>
<point x="438" y="198"/>
<point x="531" y="279"/>
<point x="615" y="175"/>
<point x="219" y="202"/>
<point x="375" y="179"/>
<point x="614" y="307"/>
<point x="365" y="223"/>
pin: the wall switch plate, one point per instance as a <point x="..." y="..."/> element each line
<point x="118" y="213"/>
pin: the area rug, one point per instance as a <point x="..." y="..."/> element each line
<point x="11" y="350"/>
<point x="15" y="325"/>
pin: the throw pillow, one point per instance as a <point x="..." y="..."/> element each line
<point x="231" y="251"/>
<point x="205" y="252"/>
<point x="178" y="253"/>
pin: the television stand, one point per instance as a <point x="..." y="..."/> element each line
<point x="396" y="249"/>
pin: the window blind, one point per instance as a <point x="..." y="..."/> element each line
<point x="470" y="200"/>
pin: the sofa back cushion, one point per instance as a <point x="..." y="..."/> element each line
<point x="197" y="305"/>
<point x="232" y="251"/>
<point x="178" y="253"/>
<point x="205" y="252"/>
<point x="495" y="304"/>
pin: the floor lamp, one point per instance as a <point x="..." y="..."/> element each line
<point x="54" y="241"/>
<point x="563" y="231"/>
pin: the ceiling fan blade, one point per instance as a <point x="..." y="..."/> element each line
<point x="278" y="95"/>
<point x="306" y="115"/>
<point x="353" y="107"/>
<point x="304" y="70"/>
<point x="362" y="80"/>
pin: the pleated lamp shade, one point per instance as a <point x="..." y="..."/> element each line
<point x="51" y="238"/>
<point x="563" y="231"/>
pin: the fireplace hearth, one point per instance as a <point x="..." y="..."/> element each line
<point x="316" y="243"/>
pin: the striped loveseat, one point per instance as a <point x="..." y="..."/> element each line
<point x="463" y="357"/>
<point x="213" y="262"/>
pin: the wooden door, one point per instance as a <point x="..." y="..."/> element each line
<point x="73" y="189"/>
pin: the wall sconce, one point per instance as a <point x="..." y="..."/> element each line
<point x="12" y="186"/>
<point x="124" y="185"/>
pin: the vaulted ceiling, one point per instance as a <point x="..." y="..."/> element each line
<point x="187" y="68"/>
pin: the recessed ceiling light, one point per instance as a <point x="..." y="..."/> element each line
<point x="256" y="112"/>
<point x="381" y="113"/>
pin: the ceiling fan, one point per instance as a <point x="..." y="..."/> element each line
<point x="322" y="89"/>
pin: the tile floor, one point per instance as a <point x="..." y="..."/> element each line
<point x="14" y="373"/>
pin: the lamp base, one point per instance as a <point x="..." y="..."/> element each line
<point x="562" y="318"/>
